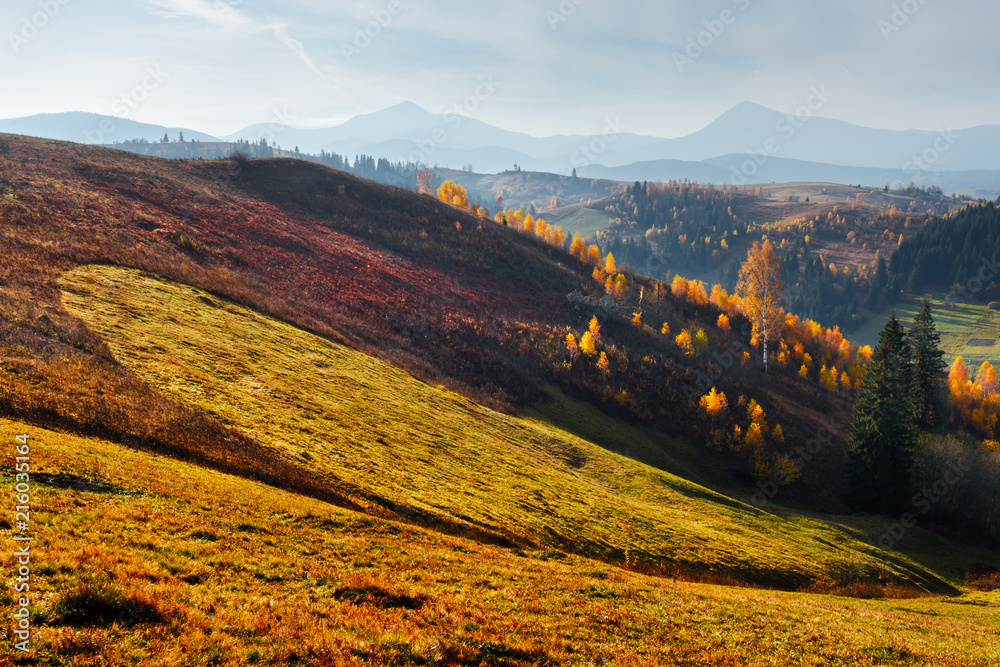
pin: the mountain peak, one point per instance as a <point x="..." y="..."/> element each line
<point x="404" y="110"/>
<point x="745" y="112"/>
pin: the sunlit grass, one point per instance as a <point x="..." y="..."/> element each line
<point x="375" y="433"/>
<point x="957" y="324"/>
<point x="230" y="571"/>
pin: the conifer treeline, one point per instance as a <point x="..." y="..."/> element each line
<point x="954" y="250"/>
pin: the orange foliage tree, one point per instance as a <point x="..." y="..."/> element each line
<point x="763" y="291"/>
<point x="454" y="194"/>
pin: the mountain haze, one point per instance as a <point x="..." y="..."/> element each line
<point x="747" y="144"/>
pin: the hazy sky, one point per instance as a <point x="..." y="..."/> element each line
<point x="665" y="67"/>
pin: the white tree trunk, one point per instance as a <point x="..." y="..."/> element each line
<point x="765" y="353"/>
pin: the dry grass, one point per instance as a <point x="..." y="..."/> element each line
<point x="222" y="570"/>
<point x="388" y="442"/>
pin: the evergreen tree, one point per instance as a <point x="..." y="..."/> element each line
<point x="882" y="434"/>
<point x="928" y="365"/>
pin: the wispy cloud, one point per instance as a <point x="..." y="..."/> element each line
<point x="227" y="16"/>
<point x="295" y="46"/>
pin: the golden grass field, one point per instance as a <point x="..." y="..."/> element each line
<point x="143" y="559"/>
<point x="220" y="570"/>
<point x="389" y="441"/>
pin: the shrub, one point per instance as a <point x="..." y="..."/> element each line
<point x="239" y="160"/>
<point x="98" y="603"/>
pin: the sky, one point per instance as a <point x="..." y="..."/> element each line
<point x="664" y="68"/>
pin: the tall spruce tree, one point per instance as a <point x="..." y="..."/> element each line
<point x="883" y="435"/>
<point x="928" y="366"/>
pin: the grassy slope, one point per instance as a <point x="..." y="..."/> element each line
<point x="957" y="324"/>
<point x="584" y="221"/>
<point x="524" y="187"/>
<point x="222" y="570"/>
<point x="387" y="440"/>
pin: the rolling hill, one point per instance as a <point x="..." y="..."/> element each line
<point x="272" y="383"/>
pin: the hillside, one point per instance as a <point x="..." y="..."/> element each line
<point x="383" y="361"/>
<point x="199" y="567"/>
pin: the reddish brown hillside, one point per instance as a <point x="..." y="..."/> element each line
<point x="452" y="298"/>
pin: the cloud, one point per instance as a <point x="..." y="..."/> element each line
<point x="295" y="46"/>
<point x="225" y="15"/>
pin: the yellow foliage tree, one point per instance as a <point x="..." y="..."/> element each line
<point x="540" y="227"/>
<point x="617" y="287"/>
<point x="701" y="340"/>
<point x="665" y="330"/>
<point x="763" y="291"/>
<point x="454" y="194"/>
<point x="958" y="375"/>
<point x="679" y="287"/>
<point x="558" y="236"/>
<point x="828" y="378"/>
<point x="714" y="404"/>
<point x="603" y="365"/>
<point x="594" y="329"/>
<point x="577" y="247"/>
<point x="986" y="378"/>
<point x="594" y="255"/>
<point x="723" y="322"/>
<point x="609" y="264"/>
<point x="587" y="344"/>
<point x="845" y="381"/>
<point x="574" y="349"/>
<point x="683" y="341"/>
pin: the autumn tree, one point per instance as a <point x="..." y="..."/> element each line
<point x="763" y="292"/>
<point x="683" y="341"/>
<point x="594" y="255"/>
<point x="714" y="403"/>
<point x="882" y="436"/>
<point x="594" y="329"/>
<point x="986" y="378"/>
<point x="603" y="365"/>
<point x="571" y="345"/>
<point x="425" y="181"/>
<point x="454" y="194"/>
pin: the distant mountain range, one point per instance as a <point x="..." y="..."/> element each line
<point x="747" y="144"/>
